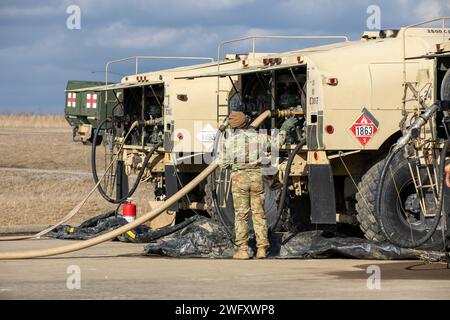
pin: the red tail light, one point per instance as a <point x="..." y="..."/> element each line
<point x="271" y="61"/>
<point x="329" y="129"/>
<point x="332" y="81"/>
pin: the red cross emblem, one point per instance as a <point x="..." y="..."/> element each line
<point x="364" y="127"/>
<point x="91" y="101"/>
<point x="71" y="99"/>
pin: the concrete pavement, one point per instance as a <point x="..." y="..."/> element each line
<point x="116" y="270"/>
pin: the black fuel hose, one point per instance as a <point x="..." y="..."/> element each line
<point x="437" y="217"/>
<point x="287" y="170"/>
<point x="94" y="168"/>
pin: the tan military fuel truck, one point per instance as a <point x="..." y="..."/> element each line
<point x="352" y="101"/>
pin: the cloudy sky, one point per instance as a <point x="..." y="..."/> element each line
<point x="38" y="53"/>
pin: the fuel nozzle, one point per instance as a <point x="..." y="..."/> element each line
<point x="289" y="112"/>
<point x="151" y="122"/>
<point x="414" y="130"/>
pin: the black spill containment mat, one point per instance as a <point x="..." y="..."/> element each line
<point x="109" y="221"/>
<point x="200" y="237"/>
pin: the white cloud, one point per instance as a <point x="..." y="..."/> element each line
<point x="204" y="4"/>
<point x="431" y="9"/>
<point x="121" y="35"/>
<point x="213" y="4"/>
<point x="30" y="11"/>
<point x="35" y="39"/>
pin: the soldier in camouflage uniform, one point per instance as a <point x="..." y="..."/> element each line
<point x="243" y="151"/>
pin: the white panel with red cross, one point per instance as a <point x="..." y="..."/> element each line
<point x="91" y="101"/>
<point x="71" y="100"/>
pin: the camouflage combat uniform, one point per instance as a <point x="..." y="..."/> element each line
<point x="248" y="193"/>
<point x="244" y="151"/>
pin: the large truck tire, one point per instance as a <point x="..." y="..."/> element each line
<point x="365" y="203"/>
<point x="399" y="215"/>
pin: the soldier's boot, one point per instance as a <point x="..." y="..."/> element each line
<point x="261" y="253"/>
<point x="241" y="254"/>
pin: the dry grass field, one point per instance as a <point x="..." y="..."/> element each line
<point x="44" y="174"/>
<point x="24" y="120"/>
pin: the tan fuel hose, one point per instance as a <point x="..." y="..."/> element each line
<point x="260" y="119"/>
<point x="112" y="234"/>
<point x="115" y="233"/>
<point x="79" y="205"/>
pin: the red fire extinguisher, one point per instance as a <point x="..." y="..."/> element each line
<point x="129" y="211"/>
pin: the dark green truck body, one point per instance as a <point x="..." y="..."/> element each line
<point x="87" y="108"/>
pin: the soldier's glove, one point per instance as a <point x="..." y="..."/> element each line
<point x="288" y="124"/>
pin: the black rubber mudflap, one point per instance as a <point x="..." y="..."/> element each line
<point x="321" y="193"/>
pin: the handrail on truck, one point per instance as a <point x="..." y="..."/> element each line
<point x="406" y="28"/>
<point x="137" y="58"/>
<point x="254" y="38"/>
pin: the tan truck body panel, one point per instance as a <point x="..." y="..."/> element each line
<point x="200" y="111"/>
<point x="370" y="75"/>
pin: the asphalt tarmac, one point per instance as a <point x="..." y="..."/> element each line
<point x="116" y="270"/>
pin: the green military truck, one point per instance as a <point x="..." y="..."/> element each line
<point x="85" y="110"/>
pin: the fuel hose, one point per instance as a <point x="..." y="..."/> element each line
<point x="77" y="208"/>
<point x="286" y="178"/>
<point x="123" y="229"/>
<point x="141" y="172"/>
<point x="115" y="233"/>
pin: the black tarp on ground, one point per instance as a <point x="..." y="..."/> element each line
<point x="205" y="238"/>
<point x="109" y="221"/>
<point x="201" y="237"/>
